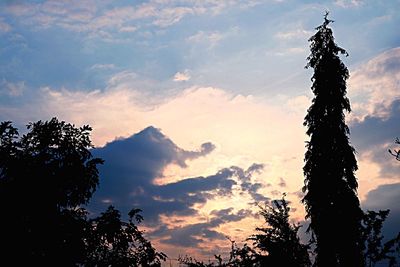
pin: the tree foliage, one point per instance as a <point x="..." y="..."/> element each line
<point x="330" y="184"/>
<point x="275" y="244"/>
<point x="278" y="241"/>
<point x="375" y="251"/>
<point x="112" y="242"/>
<point x="45" y="177"/>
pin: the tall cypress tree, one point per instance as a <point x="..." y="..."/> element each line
<point x="330" y="184"/>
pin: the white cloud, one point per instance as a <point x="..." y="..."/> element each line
<point x="122" y="78"/>
<point x="91" y="16"/>
<point x="102" y="66"/>
<point x="12" y="89"/>
<point x="375" y="84"/>
<point x="212" y="38"/>
<point x="182" y="76"/>
<point x="170" y="16"/>
<point x="295" y="34"/>
<point x="349" y="3"/>
<point x="289" y="51"/>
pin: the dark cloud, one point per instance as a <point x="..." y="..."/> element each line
<point x="374" y="133"/>
<point x="131" y="167"/>
<point x="282" y="182"/>
<point x="382" y="198"/>
<point x="374" y="130"/>
<point x="194" y="234"/>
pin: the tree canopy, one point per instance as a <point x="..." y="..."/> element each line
<point x="46" y="175"/>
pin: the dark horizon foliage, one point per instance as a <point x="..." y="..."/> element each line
<point x="330" y="185"/>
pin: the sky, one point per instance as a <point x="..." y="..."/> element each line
<point x="197" y="107"/>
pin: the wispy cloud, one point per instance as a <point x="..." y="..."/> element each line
<point x="96" y="18"/>
<point x="102" y="66"/>
<point x="294" y="34"/>
<point x="12" y="89"/>
<point x="182" y="76"/>
<point x="289" y="51"/>
<point x="349" y="3"/>
<point x="211" y="39"/>
<point x="374" y="85"/>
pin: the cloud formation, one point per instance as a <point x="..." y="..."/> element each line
<point x="128" y="177"/>
<point x="12" y="89"/>
<point x="182" y="76"/>
<point x="374" y="85"/>
<point x="100" y="19"/>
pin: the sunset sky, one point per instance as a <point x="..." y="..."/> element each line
<point x="197" y="107"/>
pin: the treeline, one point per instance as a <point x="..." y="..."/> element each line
<point x="48" y="175"/>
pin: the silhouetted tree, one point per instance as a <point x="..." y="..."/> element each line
<point x="112" y="242"/>
<point x="278" y="241"/>
<point x="330" y="184"/>
<point x="276" y="244"/>
<point x="45" y="175"/>
<point x="244" y="256"/>
<point x="374" y="250"/>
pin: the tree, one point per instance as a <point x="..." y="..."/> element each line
<point x="330" y="185"/>
<point x="278" y="242"/>
<point x="112" y="242"/>
<point x="244" y="256"/>
<point x="45" y="175"/>
<point x="374" y="250"/>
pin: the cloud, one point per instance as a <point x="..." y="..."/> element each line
<point x="282" y="182"/>
<point x="133" y="164"/>
<point x="374" y="85"/>
<point x="182" y="76"/>
<point x="171" y="15"/>
<point x="195" y="234"/>
<point x="211" y="39"/>
<point x="374" y="135"/>
<point x="99" y="21"/>
<point x="294" y="34"/>
<point x="290" y="51"/>
<point x="374" y="130"/>
<point x="373" y="88"/>
<point x="12" y="89"/>
<point x="128" y="179"/>
<point x="349" y="3"/>
<point x="102" y="67"/>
